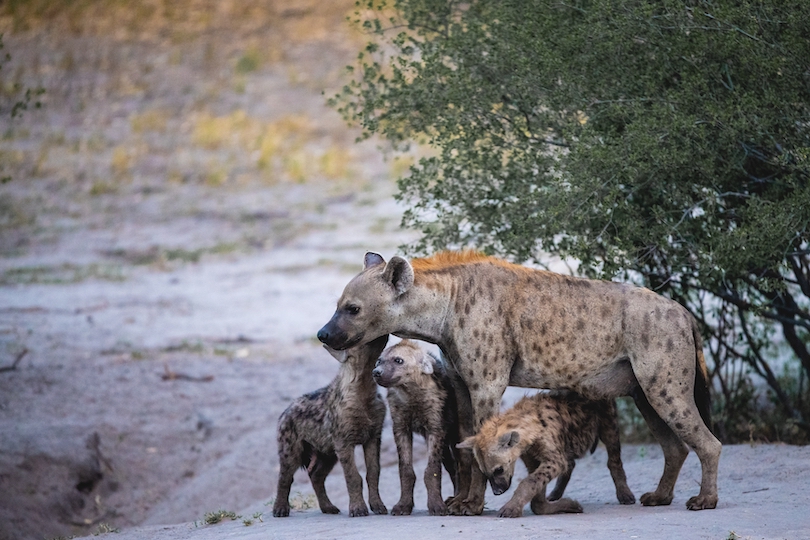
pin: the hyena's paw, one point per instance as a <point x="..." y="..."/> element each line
<point x="465" y="507"/>
<point x="402" y="509"/>
<point x="561" y="506"/>
<point x="653" y="499"/>
<point x="378" y="507"/>
<point x="358" y="510"/>
<point x="330" y="509"/>
<point x="702" y="502"/>
<point x="625" y="496"/>
<point x="511" y="511"/>
<point x="437" y="508"/>
<point x="281" y="509"/>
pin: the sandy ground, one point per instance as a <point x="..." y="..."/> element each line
<point x="161" y="285"/>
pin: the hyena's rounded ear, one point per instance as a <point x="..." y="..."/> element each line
<point x="399" y="274"/>
<point x="466" y="444"/>
<point x="340" y="356"/>
<point x="427" y="364"/>
<point x="372" y="259"/>
<point x="508" y="440"/>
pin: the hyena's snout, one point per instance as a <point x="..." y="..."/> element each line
<point x="499" y="484"/>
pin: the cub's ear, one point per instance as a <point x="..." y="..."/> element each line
<point x="466" y="444"/>
<point x="399" y="274"/>
<point x="340" y="356"/>
<point x="427" y="364"/>
<point x="372" y="259"/>
<point x="508" y="440"/>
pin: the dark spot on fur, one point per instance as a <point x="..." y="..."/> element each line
<point x="645" y="340"/>
<point x="657" y="314"/>
<point x="529" y="325"/>
<point x="543" y="423"/>
<point x="653" y="379"/>
<point x="476" y="334"/>
<point x="669" y="401"/>
<point x="580" y="325"/>
<point x="544" y="330"/>
<point x="472" y="300"/>
<point x="678" y="425"/>
<point x="662" y="393"/>
<point x="461" y="322"/>
<point x="685" y="371"/>
<point x="476" y="386"/>
<point x="670" y="345"/>
<point x="478" y="351"/>
<point x="467" y="308"/>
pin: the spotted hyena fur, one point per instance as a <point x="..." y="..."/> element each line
<point x="502" y="324"/>
<point x="422" y="400"/>
<point x="324" y="426"/>
<point x="548" y="432"/>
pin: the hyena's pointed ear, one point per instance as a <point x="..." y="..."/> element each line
<point x="399" y="274"/>
<point x="466" y="444"/>
<point x="427" y="364"/>
<point x="340" y="356"/>
<point x="372" y="259"/>
<point x="510" y="439"/>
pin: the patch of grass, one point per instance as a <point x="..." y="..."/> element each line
<point x="211" y="518"/>
<point x="250" y="61"/>
<point x="104" y="528"/>
<point x="196" y="347"/>
<point x="151" y="120"/>
<point x="13" y="213"/>
<point x="157" y="256"/>
<point x="60" y="275"/>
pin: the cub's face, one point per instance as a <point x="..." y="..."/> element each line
<point x="402" y="364"/>
<point x="496" y="455"/>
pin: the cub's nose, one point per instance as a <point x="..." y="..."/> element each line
<point x="323" y="335"/>
<point x="376" y="372"/>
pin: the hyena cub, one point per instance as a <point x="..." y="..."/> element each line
<point x="422" y="400"/>
<point x="322" y="427"/>
<point x="548" y="432"/>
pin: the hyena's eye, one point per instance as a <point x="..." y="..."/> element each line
<point x="352" y="309"/>
<point x="498" y="471"/>
<point x="398" y="360"/>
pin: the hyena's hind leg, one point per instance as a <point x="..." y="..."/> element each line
<point x="290" y="457"/>
<point x="318" y="469"/>
<point x="675" y="452"/>
<point x="609" y="435"/>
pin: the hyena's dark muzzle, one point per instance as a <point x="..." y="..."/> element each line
<point x="335" y="337"/>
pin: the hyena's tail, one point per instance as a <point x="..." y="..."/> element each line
<point x="703" y="398"/>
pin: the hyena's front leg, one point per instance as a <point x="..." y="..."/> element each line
<point x="354" y="482"/>
<point x="371" y="452"/>
<point x="433" y="475"/>
<point x="403" y="436"/>
<point x="533" y="489"/>
<point x="485" y="400"/>
<point x="609" y="435"/>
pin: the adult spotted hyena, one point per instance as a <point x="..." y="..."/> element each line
<point x="422" y="399"/>
<point x="548" y="432"/>
<point x="502" y="324"/>
<point x="324" y="426"/>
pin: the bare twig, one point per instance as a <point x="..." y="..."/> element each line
<point x="169" y="375"/>
<point x="13" y="366"/>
